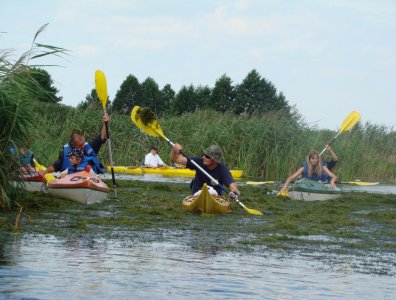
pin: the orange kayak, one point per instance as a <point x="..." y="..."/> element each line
<point x="82" y="187"/>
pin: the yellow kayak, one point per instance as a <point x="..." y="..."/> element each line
<point x="167" y="171"/>
<point x="206" y="203"/>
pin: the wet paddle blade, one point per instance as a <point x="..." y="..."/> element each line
<point x="101" y="87"/>
<point x="350" y="121"/>
<point x="260" y="182"/>
<point x="145" y="120"/>
<point x="362" y="183"/>
<point x="253" y="211"/>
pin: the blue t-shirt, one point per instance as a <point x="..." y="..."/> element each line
<point x="220" y="173"/>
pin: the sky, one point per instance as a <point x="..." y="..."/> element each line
<point x="328" y="57"/>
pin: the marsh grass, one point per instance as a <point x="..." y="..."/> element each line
<point x="269" y="146"/>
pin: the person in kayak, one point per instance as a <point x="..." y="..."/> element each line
<point x="90" y="150"/>
<point x="334" y="158"/>
<point x="211" y="163"/>
<point x="153" y="160"/>
<point x="312" y="169"/>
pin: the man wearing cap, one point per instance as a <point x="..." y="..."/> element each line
<point x="211" y="163"/>
<point x="153" y="160"/>
<point x="90" y="150"/>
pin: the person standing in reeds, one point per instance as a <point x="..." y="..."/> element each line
<point x="312" y="169"/>
<point x="211" y="163"/>
<point x="90" y="150"/>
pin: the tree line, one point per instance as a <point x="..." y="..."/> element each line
<point x="254" y="94"/>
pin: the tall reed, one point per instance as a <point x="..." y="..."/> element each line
<point x="268" y="146"/>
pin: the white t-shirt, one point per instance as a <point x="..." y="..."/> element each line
<point x="153" y="160"/>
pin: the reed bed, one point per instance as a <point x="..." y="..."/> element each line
<point x="268" y="146"/>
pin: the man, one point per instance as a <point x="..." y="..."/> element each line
<point x="211" y="163"/>
<point x="153" y="160"/>
<point x="90" y="150"/>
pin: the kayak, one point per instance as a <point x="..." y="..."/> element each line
<point x="32" y="181"/>
<point x="310" y="190"/>
<point x="180" y="172"/>
<point x="82" y="187"/>
<point x="206" y="203"/>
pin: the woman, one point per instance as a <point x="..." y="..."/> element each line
<point x="313" y="169"/>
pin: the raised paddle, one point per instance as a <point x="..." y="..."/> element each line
<point x="101" y="90"/>
<point x="145" y="120"/>
<point x="348" y="123"/>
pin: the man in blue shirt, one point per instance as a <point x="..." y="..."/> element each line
<point x="210" y="162"/>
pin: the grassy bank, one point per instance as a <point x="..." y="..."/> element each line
<point x="268" y="146"/>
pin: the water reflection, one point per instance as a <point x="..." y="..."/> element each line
<point x="49" y="268"/>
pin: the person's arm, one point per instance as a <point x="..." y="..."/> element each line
<point x="333" y="177"/>
<point x="290" y="179"/>
<point x="56" y="166"/>
<point x="176" y="157"/>
<point x="103" y="132"/>
<point x="331" y="152"/>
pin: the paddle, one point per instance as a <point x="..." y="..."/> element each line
<point x="101" y="90"/>
<point x="146" y="121"/>
<point x="348" y="123"/>
<point x="362" y="183"/>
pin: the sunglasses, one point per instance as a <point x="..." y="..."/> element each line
<point x="207" y="156"/>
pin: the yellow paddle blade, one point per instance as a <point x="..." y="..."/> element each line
<point x="259" y="182"/>
<point x="101" y="87"/>
<point x="144" y="119"/>
<point x="350" y="121"/>
<point x="38" y="166"/>
<point x="363" y="183"/>
<point x="253" y="211"/>
<point x="49" y="177"/>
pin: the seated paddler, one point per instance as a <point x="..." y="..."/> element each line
<point x="90" y="151"/>
<point x="313" y="169"/>
<point x="210" y="162"/>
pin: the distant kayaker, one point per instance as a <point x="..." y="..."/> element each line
<point x="211" y="163"/>
<point x="313" y="169"/>
<point x="90" y="151"/>
<point x="153" y="160"/>
<point x="334" y="158"/>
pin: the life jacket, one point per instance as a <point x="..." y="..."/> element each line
<point x="88" y="159"/>
<point x="315" y="176"/>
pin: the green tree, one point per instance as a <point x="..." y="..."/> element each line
<point x="184" y="100"/>
<point x="128" y="95"/>
<point x="42" y="86"/>
<point x="167" y="95"/>
<point x="202" y="98"/>
<point x="91" y="101"/>
<point x="223" y="94"/>
<point x="151" y="95"/>
<point x="255" y="94"/>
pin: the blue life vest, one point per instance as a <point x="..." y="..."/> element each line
<point x="26" y="159"/>
<point x="88" y="159"/>
<point x="315" y="176"/>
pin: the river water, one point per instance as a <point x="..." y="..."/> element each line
<point x="42" y="267"/>
<point x="35" y="266"/>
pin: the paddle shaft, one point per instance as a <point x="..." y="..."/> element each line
<point x="108" y="142"/>
<point x="334" y="138"/>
